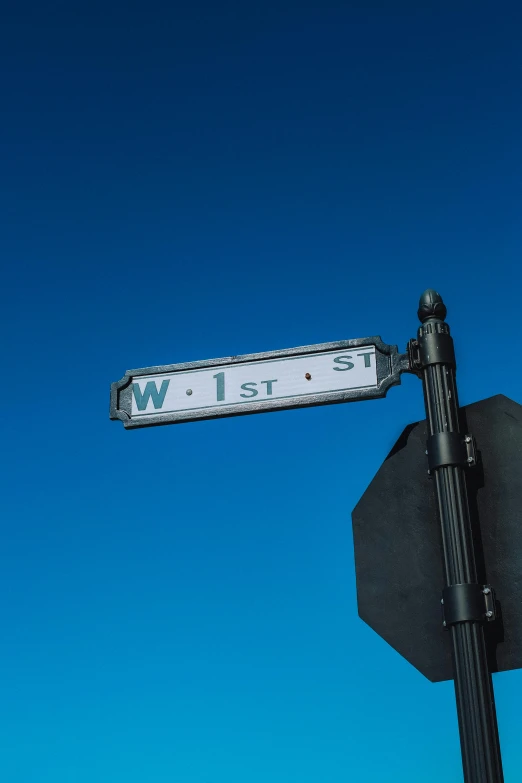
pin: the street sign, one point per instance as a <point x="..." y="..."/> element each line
<point x="455" y="545"/>
<point x="344" y="371"/>
<point x="398" y="546"/>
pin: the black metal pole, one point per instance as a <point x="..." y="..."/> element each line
<point x="465" y="603"/>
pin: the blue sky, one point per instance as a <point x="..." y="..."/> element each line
<point x="187" y="181"/>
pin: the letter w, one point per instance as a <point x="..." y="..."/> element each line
<point x="151" y="390"/>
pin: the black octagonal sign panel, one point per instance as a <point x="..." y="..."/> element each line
<point x="398" y="549"/>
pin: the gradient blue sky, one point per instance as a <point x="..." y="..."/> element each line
<point x="187" y="181"/>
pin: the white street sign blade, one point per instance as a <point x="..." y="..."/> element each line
<point x="344" y="371"/>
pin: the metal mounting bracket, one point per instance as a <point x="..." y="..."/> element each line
<point x="468" y="603"/>
<point x="445" y="449"/>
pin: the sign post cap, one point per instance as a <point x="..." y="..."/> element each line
<point x="431" y="306"/>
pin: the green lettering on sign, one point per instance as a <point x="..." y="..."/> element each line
<point x="269" y="385"/>
<point x="343" y="360"/>
<point x="151" y="391"/>
<point x="247" y="387"/>
<point x="367" y="359"/>
<point x="220" y="384"/>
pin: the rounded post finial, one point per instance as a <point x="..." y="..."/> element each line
<point x="431" y="306"/>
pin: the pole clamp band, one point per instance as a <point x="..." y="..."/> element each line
<point x="450" y="448"/>
<point x="467" y="603"/>
<point x="436" y="348"/>
<point x="444" y="449"/>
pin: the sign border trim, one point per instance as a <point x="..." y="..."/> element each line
<point x="390" y="364"/>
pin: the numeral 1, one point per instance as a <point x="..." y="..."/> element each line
<point x="220" y="384"/>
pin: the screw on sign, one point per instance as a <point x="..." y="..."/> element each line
<point x="448" y="492"/>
